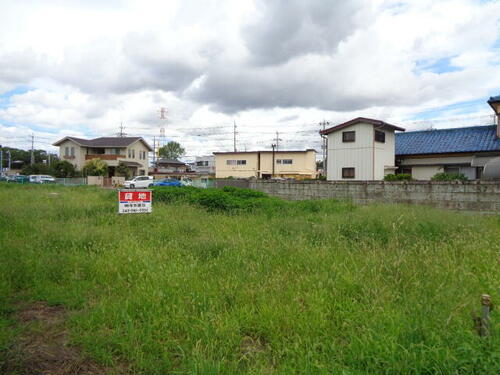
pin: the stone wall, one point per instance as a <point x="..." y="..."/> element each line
<point x="239" y="183"/>
<point x="470" y="195"/>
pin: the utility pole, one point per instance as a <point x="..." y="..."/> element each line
<point x="154" y="150"/>
<point x="234" y="136"/>
<point x="324" y="146"/>
<point x="274" y="162"/>
<point x="32" y="160"/>
<point x="48" y="157"/>
<point x="277" y="139"/>
<point x="8" y="160"/>
<point x="1" y="161"/>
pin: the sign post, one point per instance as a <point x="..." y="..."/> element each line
<point x="135" y="201"/>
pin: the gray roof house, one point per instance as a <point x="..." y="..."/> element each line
<point x="133" y="152"/>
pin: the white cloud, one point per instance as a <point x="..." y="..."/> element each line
<point x="269" y="66"/>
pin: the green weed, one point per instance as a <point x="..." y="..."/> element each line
<point x="235" y="282"/>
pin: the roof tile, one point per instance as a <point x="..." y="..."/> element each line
<point x="442" y="141"/>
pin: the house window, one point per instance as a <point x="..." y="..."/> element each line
<point x="206" y="163"/>
<point x="379" y="136"/>
<point x="451" y="170"/>
<point x="284" y="161"/>
<point x="406" y="170"/>
<point x="72" y="151"/>
<point x="349" y="136"/>
<point x="231" y="162"/>
<point x="200" y="163"/>
<point x="241" y="162"/>
<point x="66" y="151"/>
<point x="133" y="154"/>
<point x="348" y="173"/>
<point x="129" y="153"/>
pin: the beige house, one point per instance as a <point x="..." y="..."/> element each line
<point x="266" y="164"/>
<point x="361" y="149"/>
<point x="133" y="152"/>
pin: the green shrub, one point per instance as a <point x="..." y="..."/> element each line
<point x="170" y="194"/>
<point x="215" y="200"/>
<point x="449" y="177"/>
<point x="244" y="193"/>
<point x="232" y="200"/>
<point x="398" y="177"/>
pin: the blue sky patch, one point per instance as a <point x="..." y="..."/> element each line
<point x="460" y="108"/>
<point x="438" y="66"/>
<point x="5" y="96"/>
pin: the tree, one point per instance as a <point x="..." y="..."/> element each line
<point x="95" y="167"/>
<point x="63" y="169"/>
<point x="37" y="168"/>
<point x="172" y="150"/>
<point x="123" y="170"/>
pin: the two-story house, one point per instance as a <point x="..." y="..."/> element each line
<point x="266" y="164"/>
<point x="204" y="165"/>
<point x="361" y="149"/>
<point x="132" y="152"/>
<point x="367" y="149"/>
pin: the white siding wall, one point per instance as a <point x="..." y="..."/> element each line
<point x="358" y="154"/>
<point x="425" y="172"/>
<point x="384" y="155"/>
<point x="369" y="158"/>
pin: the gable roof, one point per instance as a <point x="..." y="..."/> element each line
<point x="169" y="161"/>
<point x="448" y="141"/>
<point x="494" y="99"/>
<point x="105" y="141"/>
<point x="363" y="120"/>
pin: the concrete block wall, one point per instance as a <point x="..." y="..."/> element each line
<point x="469" y="196"/>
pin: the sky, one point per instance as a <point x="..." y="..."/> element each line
<point x="82" y="68"/>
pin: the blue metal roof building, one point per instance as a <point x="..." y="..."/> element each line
<point x="448" y="141"/>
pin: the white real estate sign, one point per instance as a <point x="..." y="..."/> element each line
<point x="135" y="201"/>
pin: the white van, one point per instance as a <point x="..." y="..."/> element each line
<point x="41" y="179"/>
<point x="139" y="182"/>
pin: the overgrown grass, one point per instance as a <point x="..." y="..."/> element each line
<point x="254" y="285"/>
<point x="235" y="200"/>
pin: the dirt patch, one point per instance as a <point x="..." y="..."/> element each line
<point x="251" y="346"/>
<point x="43" y="346"/>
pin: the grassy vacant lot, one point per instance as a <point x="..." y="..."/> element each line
<point x="211" y="285"/>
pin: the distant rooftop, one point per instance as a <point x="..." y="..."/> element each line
<point x="262" y="151"/>
<point x="105" y="141"/>
<point x="444" y="141"/>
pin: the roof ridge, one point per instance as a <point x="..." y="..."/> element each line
<point x="447" y="129"/>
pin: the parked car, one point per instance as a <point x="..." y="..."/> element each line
<point x="41" y="179"/>
<point x="168" y="182"/>
<point x="186" y="181"/>
<point x="139" y="182"/>
<point x="21" y="179"/>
